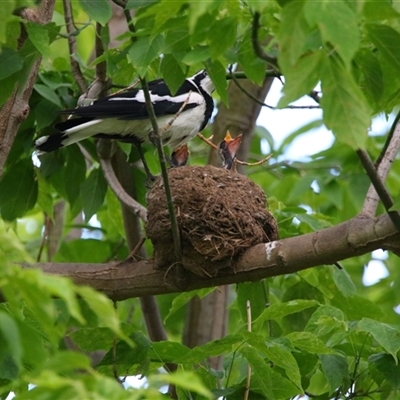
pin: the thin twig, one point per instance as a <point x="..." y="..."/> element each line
<point x="261" y="103"/>
<point x="247" y="390"/>
<point x="207" y="140"/>
<point x="253" y="164"/>
<point x="258" y="50"/>
<point x="75" y="68"/>
<point x="137" y="248"/>
<point x="379" y="186"/>
<point x="383" y="165"/>
<point x="119" y="191"/>
<point x="160" y="152"/>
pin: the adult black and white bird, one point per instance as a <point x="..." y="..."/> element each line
<point x="124" y="116"/>
<point x="228" y="148"/>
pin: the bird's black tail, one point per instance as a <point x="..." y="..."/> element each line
<point x="46" y="144"/>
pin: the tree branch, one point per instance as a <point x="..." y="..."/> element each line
<point x="127" y="279"/>
<point x="379" y="187"/>
<point x="384" y="163"/>
<point x="258" y="50"/>
<point x="16" y="109"/>
<point x="119" y="191"/>
<point x="69" y="24"/>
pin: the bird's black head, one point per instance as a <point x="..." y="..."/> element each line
<point x="202" y="80"/>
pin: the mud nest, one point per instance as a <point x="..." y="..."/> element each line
<point x="220" y="213"/>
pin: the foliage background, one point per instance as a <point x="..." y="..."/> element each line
<point x="319" y="331"/>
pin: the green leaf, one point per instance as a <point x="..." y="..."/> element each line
<point x="385" y="364"/>
<point x="379" y="10"/>
<point x="10" y="62"/>
<point x="346" y="111"/>
<point x="222" y="35"/>
<point x="301" y="77"/>
<point x="133" y="4"/>
<point x="218" y="76"/>
<point x="172" y="72"/>
<point x="213" y="348"/>
<point x="183" y="298"/>
<point x="74" y="173"/>
<point x="335" y="369"/>
<point x="99" y="10"/>
<point x="197" y="55"/>
<point x="18" y="190"/>
<point x="308" y="342"/>
<point x="343" y="282"/>
<point x="260" y="369"/>
<point x="386" y="335"/>
<point x="183" y="379"/>
<point x="103" y="308"/>
<point x="254" y="292"/>
<point x="10" y="333"/>
<point x="396" y="204"/>
<point x="93" y="191"/>
<point x="338" y="25"/>
<point x="168" y="352"/>
<point x="279" y="310"/>
<point x="371" y="74"/>
<point x="325" y="320"/>
<point x="39" y="36"/>
<point x="253" y="67"/>
<point x="280" y="355"/>
<point x="67" y="361"/>
<point x="386" y="39"/>
<point x="293" y="32"/>
<point x="48" y="94"/>
<point x="144" y="51"/>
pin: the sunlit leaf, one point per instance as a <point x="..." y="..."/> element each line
<point x="346" y="111"/>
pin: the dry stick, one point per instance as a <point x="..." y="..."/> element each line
<point x="246" y="392"/>
<point x="384" y="163"/>
<point x="379" y="186"/>
<point x="119" y="191"/>
<point x="207" y="140"/>
<point x="70" y="26"/>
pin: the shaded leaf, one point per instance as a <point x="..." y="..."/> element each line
<point x="10" y="62"/>
<point x="335" y="369"/>
<point x="388" y="367"/>
<point x="18" y="190"/>
<point x="99" y="10"/>
<point x="260" y="369"/>
<point x="309" y="342"/>
<point x="93" y="191"/>
<point x="386" y="335"/>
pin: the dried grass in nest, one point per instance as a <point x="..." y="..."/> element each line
<point x="220" y="213"/>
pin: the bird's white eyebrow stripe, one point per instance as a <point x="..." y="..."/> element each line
<point x="193" y="98"/>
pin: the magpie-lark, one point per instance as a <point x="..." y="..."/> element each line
<point x="124" y="116"/>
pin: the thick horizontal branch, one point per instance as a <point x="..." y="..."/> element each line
<point x="127" y="279"/>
